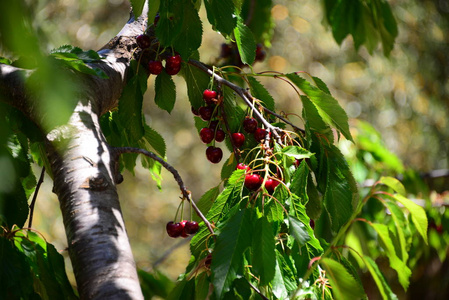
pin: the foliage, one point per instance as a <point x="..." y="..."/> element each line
<point x="308" y="237"/>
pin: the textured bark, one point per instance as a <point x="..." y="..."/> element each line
<point x="83" y="168"/>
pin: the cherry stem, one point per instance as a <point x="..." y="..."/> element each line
<point x="245" y="95"/>
<point x="185" y="192"/>
<point x="36" y="192"/>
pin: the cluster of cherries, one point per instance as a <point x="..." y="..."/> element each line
<point x="155" y="67"/>
<point x="253" y="181"/>
<point x="183" y="228"/>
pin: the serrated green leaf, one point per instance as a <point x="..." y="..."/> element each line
<point x="274" y="211"/>
<point x="130" y="110"/>
<point x="400" y="226"/>
<point x="340" y="195"/>
<point x="155" y="284"/>
<point x="395" y="262"/>
<point x="171" y="18"/>
<point x="153" y="9"/>
<point x="137" y="6"/>
<point x="321" y="85"/>
<point x="165" y="92"/>
<point x="184" y="290"/>
<point x="344" y="286"/>
<point x="382" y="284"/>
<point x="298" y="230"/>
<point x="259" y="92"/>
<point x="314" y="122"/>
<point x="328" y="108"/>
<point x="278" y="284"/>
<point x="245" y="42"/>
<point x="263" y="25"/>
<point x="418" y="214"/>
<point x="264" y="258"/>
<point x="232" y="241"/>
<point x="206" y="201"/>
<point x="190" y="37"/>
<point x="155" y="140"/>
<point x="393" y="183"/>
<point x="221" y="15"/>
<point x="196" y="81"/>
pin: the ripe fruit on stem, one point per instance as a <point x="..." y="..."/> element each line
<point x="206" y="112"/>
<point x="271" y="184"/>
<point x="253" y="181"/>
<point x="238" y="139"/>
<point x="206" y="135"/>
<point x="214" y="154"/>
<point x="173" y="64"/>
<point x="191" y="227"/>
<point x="155" y="67"/>
<point x="209" y="95"/>
<point x="260" y="134"/>
<point x="250" y="125"/>
<point x="174" y="229"/>
<point x="143" y="41"/>
<point x="242" y="166"/>
<point x="183" y="225"/>
<point x="220" y="135"/>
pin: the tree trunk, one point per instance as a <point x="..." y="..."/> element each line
<point x="83" y="166"/>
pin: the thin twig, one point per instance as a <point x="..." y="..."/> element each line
<point x="257" y="291"/>
<point x="185" y="192"/>
<point x="36" y="192"/>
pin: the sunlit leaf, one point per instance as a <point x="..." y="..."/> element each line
<point x="379" y="279"/>
<point x="165" y="92"/>
<point x="245" y="42"/>
<point x="263" y="251"/>
<point x="418" y="214"/>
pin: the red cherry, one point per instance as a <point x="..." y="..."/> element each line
<point x="172" y="70"/>
<point x="143" y="41"/>
<point x="271" y="184"/>
<point x="260" y="53"/>
<point x="191" y="227"/>
<point x="174" y="60"/>
<point x="214" y="154"/>
<point x="238" y="139"/>
<point x="253" y="181"/>
<point x="206" y="112"/>
<point x="209" y="95"/>
<point x="260" y="134"/>
<point x="174" y="229"/>
<point x="213" y="124"/>
<point x="312" y="224"/>
<point x="250" y="125"/>
<point x="220" y="135"/>
<point x="242" y="166"/>
<point x="206" y="135"/>
<point x="155" y="67"/>
<point x="194" y="111"/>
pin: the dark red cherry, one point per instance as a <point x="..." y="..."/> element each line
<point x="155" y="67"/>
<point x="260" y="53"/>
<point x="174" y="229"/>
<point x="214" y="154"/>
<point x="191" y="227"/>
<point x="220" y="135"/>
<point x="250" y="125"/>
<point x="271" y="184"/>
<point x="206" y="112"/>
<point x="209" y="96"/>
<point x="242" y="166"/>
<point x="213" y="124"/>
<point x="184" y="234"/>
<point x="172" y="70"/>
<point x="238" y="139"/>
<point x="194" y="111"/>
<point x="206" y="135"/>
<point x="260" y="134"/>
<point x="143" y="41"/>
<point x="174" y="60"/>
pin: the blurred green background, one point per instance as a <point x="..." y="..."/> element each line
<point x="405" y="97"/>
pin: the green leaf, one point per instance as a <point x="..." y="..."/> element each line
<point x="400" y="227"/>
<point x="264" y="259"/>
<point x="189" y="39"/>
<point x="418" y="214"/>
<point x="184" y="290"/>
<point x="232" y="241"/>
<point x="395" y="262"/>
<point x="321" y="85"/>
<point x="279" y="284"/>
<point x="259" y="92"/>
<point x="393" y="183"/>
<point x="245" y="42"/>
<point x="221" y="15"/>
<point x="165" y="92"/>
<point x="171" y="18"/>
<point x="153" y="8"/>
<point x="206" y="201"/>
<point x="154" y="284"/>
<point x="328" y="108"/>
<point x="228" y="167"/>
<point x="137" y="6"/>
<point x="196" y="81"/>
<point x="130" y="110"/>
<point x="314" y="121"/>
<point x="296" y="152"/>
<point x="382" y="284"/>
<point x="155" y="140"/>
<point x="344" y="285"/>
<point x="340" y="195"/>
<point x="298" y="230"/>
